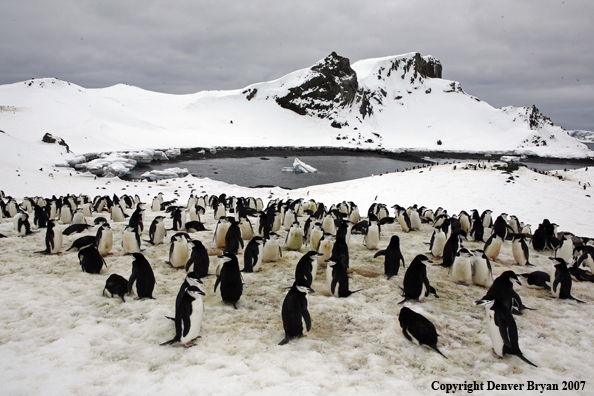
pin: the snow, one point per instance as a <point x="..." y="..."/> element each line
<point x="60" y="336"/>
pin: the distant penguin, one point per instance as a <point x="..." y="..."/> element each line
<point x="520" y="249"/>
<point x="415" y="218"/>
<point x="116" y="285"/>
<point x="76" y="228"/>
<point x="561" y="280"/>
<point x="465" y="221"/>
<point x="486" y="219"/>
<point x="307" y="267"/>
<point x="393" y="257"/>
<point x="416" y="326"/>
<point x="142" y="279"/>
<point x="404" y="220"/>
<point x="316" y="235"/>
<point x="328" y="225"/>
<point x="289" y="219"/>
<point x="195" y="226"/>
<point x="230" y="280"/>
<point x="90" y="260"/>
<point x="189" y="313"/>
<point x="372" y="236"/>
<point x="220" y="211"/>
<point x="337" y="278"/>
<point x="21" y="224"/>
<point x="272" y="249"/>
<point x="156" y="205"/>
<point x="179" y="252"/>
<point x="104" y="239"/>
<point x="502" y="328"/>
<point x="295" y="311"/>
<point x="462" y="267"/>
<point x="130" y="241"/>
<point x="247" y="231"/>
<point x="252" y="255"/>
<point x="83" y="242"/>
<point x="437" y="242"/>
<point x="198" y="261"/>
<point x="221" y="232"/>
<point x="482" y="273"/>
<point x="415" y="283"/>
<point x="294" y="239"/>
<point x="493" y="246"/>
<point x="586" y="258"/>
<point x="157" y="231"/>
<point x="53" y="237"/>
<point x="179" y="220"/>
<point x="500" y="227"/>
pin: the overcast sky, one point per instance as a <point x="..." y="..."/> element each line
<point x="513" y="52"/>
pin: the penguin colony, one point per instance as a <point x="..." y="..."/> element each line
<point x="321" y="240"/>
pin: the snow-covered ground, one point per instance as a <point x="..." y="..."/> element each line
<point x="59" y="335"/>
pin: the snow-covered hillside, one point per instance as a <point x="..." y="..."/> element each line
<point x="392" y="103"/>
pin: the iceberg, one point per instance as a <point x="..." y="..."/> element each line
<point x="300" y="167"/>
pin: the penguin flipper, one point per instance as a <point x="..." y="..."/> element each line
<point x="284" y="341"/>
<point x="521" y="356"/>
<point x="434" y="347"/>
<point x="405" y="333"/>
<point x="172" y="341"/>
<point x="380" y="253"/>
<point x="217" y="283"/>
<point x="306" y="318"/>
<point x="132" y="280"/>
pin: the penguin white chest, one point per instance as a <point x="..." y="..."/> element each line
<point x="439" y="242"/>
<point x="494" y="333"/>
<point x="271" y="251"/>
<point x="105" y="242"/>
<point x="481" y="273"/>
<point x="57" y="240"/>
<point x="518" y="253"/>
<point x="196" y="318"/>
<point x="372" y="237"/>
<point x="180" y="253"/>
<point x="160" y="232"/>
<point x="295" y="239"/>
<point x="462" y="270"/>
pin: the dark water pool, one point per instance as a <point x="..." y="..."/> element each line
<point x="267" y="171"/>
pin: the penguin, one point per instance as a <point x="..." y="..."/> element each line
<point x="493" y="246"/>
<point x="142" y="279"/>
<point x="289" y="219"/>
<point x="477" y="231"/>
<point x="39" y="216"/>
<point x="247" y="230"/>
<point x="340" y="250"/>
<point x="130" y="241"/>
<point x="325" y="248"/>
<point x="486" y="218"/>
<point x="78" y="217"/>
<point x="586" y="258"/>
<point x="337" y="278"/>
<point x="252" y="255"/>
<point x="462" y="267"/>
<point x="179" y="251"/>
<point x="104" y="239"/>
<point x="372" y="236"/>
<point x="230" y="280"/>
<point x="233" y="239"/>
<point x="416" y="326"/>
<point x="344" y="231"/>
<point x="451" y="247"/>
<point x="393" y="257"/>
<point x="199" y="260"/>
<point x="328" y="225"/>
<point x="21" y="224"/>
<point x="315" y="236"/>
<point x="465" y="221"/>
<point x="307" y="267"/>
<point x="156" y="204"/>
<point x="53" y="237"/>
<point x="76" y="228"/>
<point x="116" y="285"/>
<point x="91" y="260"/>
<point x="520" y="250"/>
<point x="415" y="283"/>
<point x="100" y="220"/>
<point x="561" y="280"/>
<point x="87" y="209"/>
<point x="294" y="239"/>
<point x="195" y="226"/>
<point x="415" y="219"/>
<point x="403" y="219"/>
<point x="136" y="219"/>
<point x="83" y="242"/>
<point x="157" y="231"/>
<point x="221" y="231"/>
<point x="537" y="279"/>
<point x="189" y="314"/>
<point x="220" y="211"/>
<point x="179" y="220"/>
<point x="66" y="214"/>
<point x="482" y="273"/>
<point x="539" y="239"/>
<point x="117" y="214"/>
<point x="272" y="249"/>
<point x="500" y="227"/>
<point x="565" y="249"/>
<point x="437" y="243"/>
<point x="502" y="328"/>
<point x="191" y="279"/>
<point x="503" y="289"/>
<point x="295" y="311"/>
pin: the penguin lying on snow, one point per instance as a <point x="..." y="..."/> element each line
<point x="116" y="285"/>
<point x="415" y="325"/>
<point x="502" y="328"/>
<point x="295" y="312"/>
<point x="91" y="260"/>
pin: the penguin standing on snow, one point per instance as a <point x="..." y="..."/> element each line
<point x="437" y="242"/>
<point x="252" y="256"/>
<point x="142" y="279"/>
<point x="294" y="239"/>
<point x="53" y="237"/>
<point x="230" y="280"/>
<point x="565" y="249"/>
<point x="179" y="252"/>
<point x="462" y="267"/>
<point x="337" y="278"/>
<point x="307" y="267"/>
<point x="493" y="246"/>
<point x="233" y="239"/>
<point x="157" y="231"/>
<point x="295" y="312"/>
<point x="482" y="273"/>
<point x="502" y="328"/>
<point x="189" y="313"/>
<point x="416" y="326"/>
<point x="453" y="244"/>
<point x="272" y="249"/>
<point x="91" y="260"/>
<point x="116" y="285"/>
<point x="416" y="284"/>
<point x="393" y="257"/>
<point x="104" y="239"/>
<point x="130" y="241"/>
<point x="561" y="280"/>
<point x="503" y="289"/>
<point x="520" y="249"/>
<point x="199" y="260"/>
<point x="221" y="232"/>
<point x="372" y="235"/>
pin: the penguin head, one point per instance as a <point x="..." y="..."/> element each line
<point x="195" y="291"/>
<point x="303" y="286"/>
<point x="511" y="275"/>
<point x="193" y="279"/>
<point x="486" y="301"/>
<point x="421" y="259"/>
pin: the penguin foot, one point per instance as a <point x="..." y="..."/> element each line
<point x="496" y="356"/>
<point x="189" y="344"/>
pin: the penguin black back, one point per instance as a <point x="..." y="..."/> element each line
<point x="416" y="325"/>
<point x="230" y="280"/>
